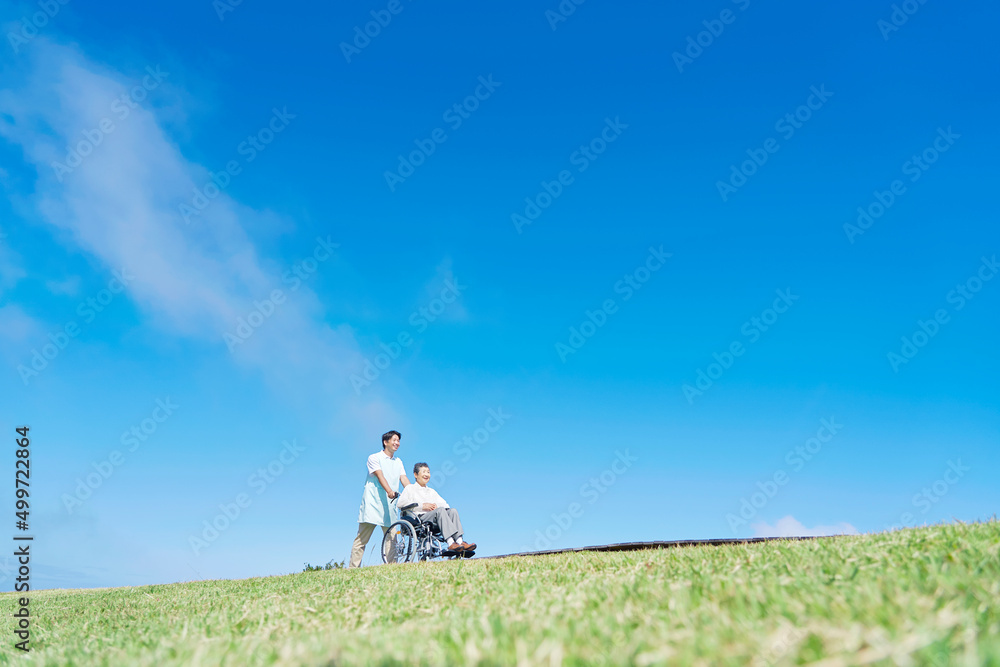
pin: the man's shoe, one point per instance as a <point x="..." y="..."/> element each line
<point x="456" y="548"/>
<point x="468" y="547"/>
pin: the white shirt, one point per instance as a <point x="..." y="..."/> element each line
<point x="377" y="460"/>
<point x="375" y="505"/>
<point x="415" y="493"/>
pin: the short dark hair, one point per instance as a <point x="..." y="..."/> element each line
<point x="417" y="467"/>
<point x="386" y="437"/>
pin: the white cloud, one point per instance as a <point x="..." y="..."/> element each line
<point x="11" y="269"/>
<point x="789" y="526"/>
<point x="69" y="286"/>
<point x="444" y="276"/>
<point x="121" y="206"/>
<point x="16" y="326"/>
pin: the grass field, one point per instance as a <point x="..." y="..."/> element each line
<point x="925" y="596"/>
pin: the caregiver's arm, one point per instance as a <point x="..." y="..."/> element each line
<point x="385" y="484"/>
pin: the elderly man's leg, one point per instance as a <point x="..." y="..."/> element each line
<point x="451" y="525"/>
<point x="447" y="521"/>
<point x="440" y="520"/>
<point x="358" y="550"/>
<point x="452" y="515"/>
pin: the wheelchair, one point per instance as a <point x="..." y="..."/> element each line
<point x="411" y="539"/>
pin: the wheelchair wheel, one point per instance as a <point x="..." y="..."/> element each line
<point x="399" y="544"/>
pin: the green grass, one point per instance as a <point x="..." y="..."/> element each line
<point x="925" y="596"/>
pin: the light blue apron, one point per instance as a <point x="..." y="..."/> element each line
<point x="375" y="505"/>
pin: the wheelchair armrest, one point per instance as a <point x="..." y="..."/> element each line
<point x="408" y="507"/>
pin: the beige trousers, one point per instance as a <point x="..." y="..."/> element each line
<point x="365" y="531"/>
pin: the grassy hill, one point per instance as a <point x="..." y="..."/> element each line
<point x="925" y="596"/>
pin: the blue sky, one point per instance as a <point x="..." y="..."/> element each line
<point x="566" y="226"/>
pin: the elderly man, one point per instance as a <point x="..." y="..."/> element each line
<point x="385" y="473"/>
<point x="433" y="509"/>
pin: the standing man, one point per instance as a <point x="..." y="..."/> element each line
<point x="385" y="472"/>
